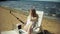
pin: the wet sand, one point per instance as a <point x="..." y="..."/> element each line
<point x="8" y="21"/>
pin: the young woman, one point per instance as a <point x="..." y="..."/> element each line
<point x="31" y="20"/>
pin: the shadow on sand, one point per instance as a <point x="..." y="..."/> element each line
<point x="45" y="32"/>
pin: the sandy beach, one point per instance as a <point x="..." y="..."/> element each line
<point x="7" y="21"/>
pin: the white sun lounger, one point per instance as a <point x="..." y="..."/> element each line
<point x="40" y="14"/>
<point x="37" y="28"/>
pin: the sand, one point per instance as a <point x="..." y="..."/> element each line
<point x="7" y="21"/>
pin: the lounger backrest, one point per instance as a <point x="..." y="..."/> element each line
<point x="40" y="14"/>
<point x="38" y="24"/>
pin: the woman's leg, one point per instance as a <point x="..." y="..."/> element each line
<point x="28" y="28"/>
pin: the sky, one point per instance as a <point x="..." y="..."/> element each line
<point x="46" y="0"/>
<point x="38" y="0"/>
<point x="43" y="0"/>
